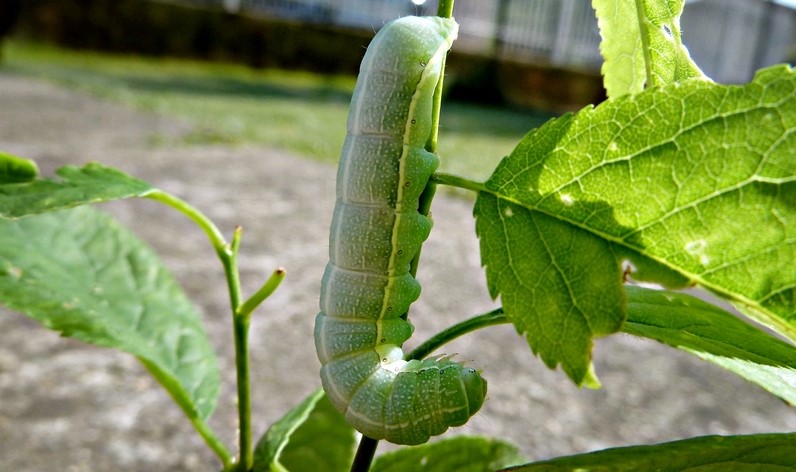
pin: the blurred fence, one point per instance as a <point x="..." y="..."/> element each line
<point x="729" y="39"/>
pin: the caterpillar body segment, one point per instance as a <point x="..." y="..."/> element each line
<point x="376" y="231"/>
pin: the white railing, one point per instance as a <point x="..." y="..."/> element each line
<point x="729" y="39"/>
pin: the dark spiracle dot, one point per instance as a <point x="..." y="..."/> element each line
<point x="383" y="340"/>
<point x="400" y="251"/>
<point x="384" y="360"/>
<point x="389" y="308"/>
<point x="407" y="184"/>
<point x="414" y="121"/>
<point x="423" y="63"/>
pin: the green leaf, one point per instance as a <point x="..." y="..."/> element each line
<point x="460" y="453"/>
<point x="706" y="331"/>
<point x="695" y="181"/>
<point x="623" y="68"/>
<point x="311" y="436"/>
<point x="92" y="183"/>
<point x="15" y="170"/>
<point x="79" y="272"/>
<point x="753" y="453"/>
<point x="641" y="44"/>
<point x="553" y="282"/>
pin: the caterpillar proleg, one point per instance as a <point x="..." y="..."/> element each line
<point x="376" y="231"/>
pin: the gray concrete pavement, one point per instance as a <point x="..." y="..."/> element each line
<point x="72" y="407"/>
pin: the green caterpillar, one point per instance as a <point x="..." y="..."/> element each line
<point x="376" y="231"/>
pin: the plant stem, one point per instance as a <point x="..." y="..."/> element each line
<point x="645" y="42"/>
<point x="210" y="229"/>
<point x="228" y="256"/>
<point x="442" y="178"/>
<point x="231" y="269"/>
<point x="365" y="452"/>
<point x="244" y="392"/>
<point x="213" y="442"/>
<point x="264" y="292"/>
<point x="204" y="430"/>
<point x="424" y="207"/>
<point x="494" y="317"/>
<point x="241" y="334"/>
<point x="445" y="8"/>
<point x="241" y="315"/>
<point x="431" y="143"/>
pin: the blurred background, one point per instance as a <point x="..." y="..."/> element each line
<point x="542" y="53"/>
<point x="249" y="71"/>
<point x="238" y="107"/>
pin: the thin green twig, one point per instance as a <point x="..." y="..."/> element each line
<point x="451" y="180"/>
<point x="226" y="254"/>
<point x="213" y="441"/>
<point x="210" y="229"/>
<point x="247" y="307"/>
<point x="241" y="333"/>
<point x="643" y="31"/>
<point x="494" y="317"/>
<point x="445" y="8"/>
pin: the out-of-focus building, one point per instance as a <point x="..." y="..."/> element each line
<point x="540" y="54"/>
<point x="729" y="39"/>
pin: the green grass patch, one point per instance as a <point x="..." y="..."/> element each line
<point x="299" y="112"/>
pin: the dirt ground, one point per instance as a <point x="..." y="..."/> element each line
<point x="72" y="407"/>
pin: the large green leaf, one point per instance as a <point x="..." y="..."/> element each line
<point x="312" y="436"/>
<point x="704" y="330"/>
<point x="641" y="44"/>
<point x="692" y="180"/>
<point x="753" y="453"/>
<point x="460" y="453"/>
<point x="92" y="183"/>
<point x="81" y="273"/>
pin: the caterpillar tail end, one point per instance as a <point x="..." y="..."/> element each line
<point x="403" y="402"/>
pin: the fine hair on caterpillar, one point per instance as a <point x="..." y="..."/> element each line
<point x="376" y="231"/>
